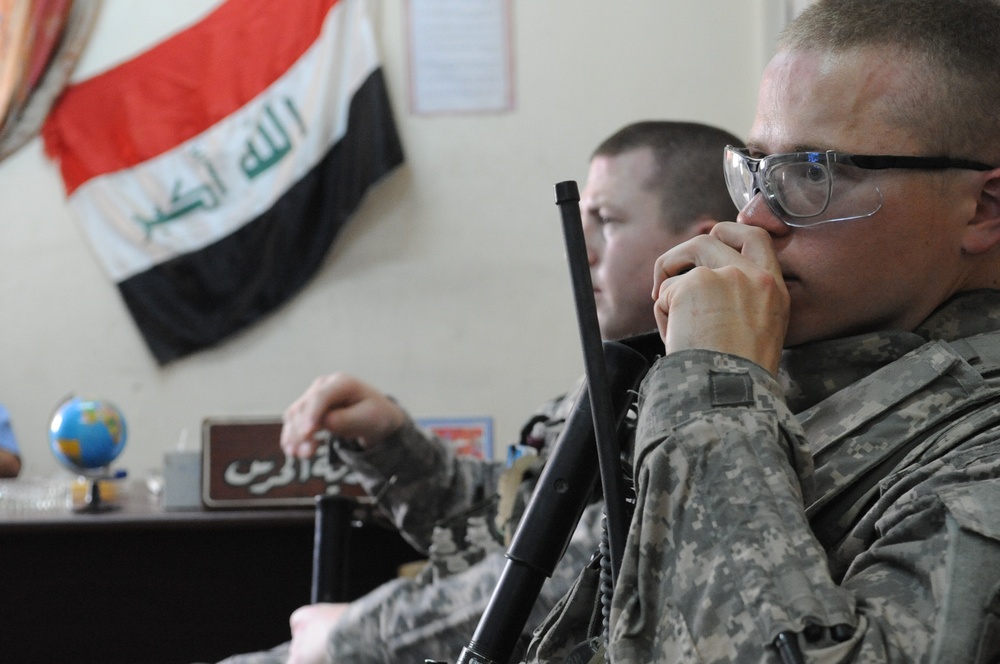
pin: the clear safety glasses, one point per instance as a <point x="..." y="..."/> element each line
<point x="807" y="188"/>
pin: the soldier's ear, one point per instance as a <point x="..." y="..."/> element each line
<point x="983" y="230"/>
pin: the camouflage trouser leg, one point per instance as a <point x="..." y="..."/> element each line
<point x="407" y="620"/>
<point x="411" y="621"/>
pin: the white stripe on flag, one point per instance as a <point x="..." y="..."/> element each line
<point x="209" y="186"/>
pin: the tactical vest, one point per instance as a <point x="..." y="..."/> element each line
<point x="875" y="431"/>
<point x="909" y="412"/>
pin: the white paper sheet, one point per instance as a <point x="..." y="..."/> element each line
<point x="460" y="56"/>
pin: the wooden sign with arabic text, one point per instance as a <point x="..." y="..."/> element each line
<point x="243" y="466"/>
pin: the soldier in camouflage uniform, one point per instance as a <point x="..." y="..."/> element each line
<point x="838" y="500"/>
<point x="650" y="186"/>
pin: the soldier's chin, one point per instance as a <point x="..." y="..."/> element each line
<point x="611" y="331"/>
<point x="803" y="330"/>
<point x="602" y="324"/>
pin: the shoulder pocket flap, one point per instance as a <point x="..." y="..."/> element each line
<point x="974" y="506"/>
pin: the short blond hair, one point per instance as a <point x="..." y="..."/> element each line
<point x="956" y="45"/>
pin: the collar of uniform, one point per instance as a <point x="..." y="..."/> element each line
<point x="812" y="372"/>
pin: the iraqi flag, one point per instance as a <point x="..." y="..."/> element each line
<point x="212" y="173"/>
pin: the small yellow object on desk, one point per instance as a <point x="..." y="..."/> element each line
<point x="111" y="490"/>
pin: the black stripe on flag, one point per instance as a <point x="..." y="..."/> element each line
<point x="195" y="300"/>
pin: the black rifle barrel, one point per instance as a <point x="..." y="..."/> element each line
<point x="608" y="449"/>
<point x="564" y="487"/>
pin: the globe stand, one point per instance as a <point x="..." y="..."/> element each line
<point x="94" y="500"/>
<point x="93" y="503"/>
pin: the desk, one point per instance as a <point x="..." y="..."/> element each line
<point x="140" y="585"/>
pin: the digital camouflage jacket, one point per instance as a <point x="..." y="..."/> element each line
<point x="853" y="504"/>
<point x="447" y="505"/>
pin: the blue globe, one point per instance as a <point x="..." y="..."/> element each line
<point x="87" y="433"/>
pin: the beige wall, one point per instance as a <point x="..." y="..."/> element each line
<point x="448" y="290"/>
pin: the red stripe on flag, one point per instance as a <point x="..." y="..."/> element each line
<point x="130" y="113"/>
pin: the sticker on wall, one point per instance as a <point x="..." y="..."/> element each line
<point x="469" y="435"/>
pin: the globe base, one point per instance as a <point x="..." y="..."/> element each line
<point x="93" y="503"/>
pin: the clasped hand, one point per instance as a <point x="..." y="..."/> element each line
<point x="724" y="292"/>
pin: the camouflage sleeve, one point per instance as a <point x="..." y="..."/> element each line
<point x="721" y="558"/>
<point x="418" y="481"/>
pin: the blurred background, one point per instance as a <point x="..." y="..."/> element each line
<point x="448" y="289"/>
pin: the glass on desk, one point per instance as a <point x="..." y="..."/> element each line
<point x="32" y="496"/>
<point x="154" y="483"/>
